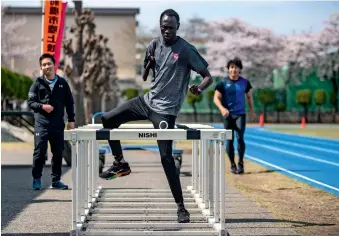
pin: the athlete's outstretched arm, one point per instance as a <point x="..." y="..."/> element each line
<point x="199" y="65"/>
<point x="207" y="81"/>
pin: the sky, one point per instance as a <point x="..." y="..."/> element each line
<point x="282" y="17"/>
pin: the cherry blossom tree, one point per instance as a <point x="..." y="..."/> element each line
<point x="301" y="54"/>
<point x="308" y="52"/>
<point x="328" y="68"/>
<point x="258" y="48"/>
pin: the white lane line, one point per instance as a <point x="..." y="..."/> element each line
<point x="292" y="144"/>
<point x="291" y="172"/>
<point x="326" y="141"/>
<point x="292" y="153"/>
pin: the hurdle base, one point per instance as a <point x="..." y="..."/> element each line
<point x="206" y="212"/>
<point x="77" y="231"/>
<point x="74" y="233"/>
<point x="82" y="225"/>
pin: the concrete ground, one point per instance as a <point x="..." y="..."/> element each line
<point x="48" y="212"/>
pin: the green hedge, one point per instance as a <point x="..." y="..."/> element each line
<point x="14" y="85"/>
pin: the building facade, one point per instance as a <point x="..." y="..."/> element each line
<point x="117" y="24"/>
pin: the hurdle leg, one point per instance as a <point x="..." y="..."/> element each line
<point x="85" y="175"/>
<point x="205" y="172"/>
<point x="210" y="178"/>
<point x="78" y="186"/>
<point x="96" y="168"/>
<point x="89" y="176"/>
<point x="201" y="150"/>
<point x="92" y="175"/>
<point x="222" y="188"/>
<point x="194" y="164"/>
<point x="74" y="184"/>
<point x="82" y="181"/>
<point x="216" y="182"/>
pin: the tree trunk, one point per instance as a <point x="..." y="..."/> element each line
<point x="278" y="116"/>
<point x="305" y="112"/>
<point x="333" y="116"/>
<point x="88" y="108"/>
<point x="195" y="112"/>
<point x="265" y="111"/>
<point x="78" y="94"/>
<point x="96" y="102"/>
<point x="319" y="120"/>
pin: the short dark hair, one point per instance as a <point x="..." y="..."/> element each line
<point x="47" y="55"/>
<point x="170" y="12"/>
<point x="236" y="61"/>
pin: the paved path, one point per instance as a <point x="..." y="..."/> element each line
<point x="48" y="212"/>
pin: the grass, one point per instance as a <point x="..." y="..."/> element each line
<point x="332" y="132"/>
<point x="308" y="210"/>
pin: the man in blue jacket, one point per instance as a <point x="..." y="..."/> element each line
<point x="48" y="96"/>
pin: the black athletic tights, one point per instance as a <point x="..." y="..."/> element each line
<point x="136" y="109"/>
<point x="237" y="124"/>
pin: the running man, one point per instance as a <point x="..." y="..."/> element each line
<point x="171" y="59"/>
<point x="229" y="97"/>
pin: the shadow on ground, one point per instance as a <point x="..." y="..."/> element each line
<point x="294" y="223"/>
<point x="36" y="234"/>
<point x="17" y="192"/>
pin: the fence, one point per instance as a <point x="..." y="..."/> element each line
<point x="285" y="94"/>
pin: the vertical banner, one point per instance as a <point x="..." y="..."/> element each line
<point x="53" y="28"/>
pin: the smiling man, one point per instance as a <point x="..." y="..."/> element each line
<point x="171" y="59"/>
<point x="229" y="97"/>
<point x="48" y="96"/>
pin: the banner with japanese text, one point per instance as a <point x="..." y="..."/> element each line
<point x="53" y="28"/>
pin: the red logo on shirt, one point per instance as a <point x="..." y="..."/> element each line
<point x="176" y="56"/>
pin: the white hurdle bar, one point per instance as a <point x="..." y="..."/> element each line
<point x="208" y="166"/>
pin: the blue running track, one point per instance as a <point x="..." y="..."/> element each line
<point x="312" y="160"/>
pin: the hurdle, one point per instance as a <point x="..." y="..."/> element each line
<point x="207" y="191"/>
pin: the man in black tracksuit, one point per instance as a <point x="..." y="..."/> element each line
<point x="48" y="96"/>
